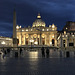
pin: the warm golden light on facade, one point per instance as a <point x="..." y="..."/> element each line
<point x="42" y="29"/>
<point x="31" y="40"/>
<point x="31" y="29"/>
<point x="49" y="25"/>
<point x="27" y="36"/>
<point x="22" y="30"/>
<point x="20" y="26"/>
<point x="36" y="42"/>
<point x="39" y="34"/>
<point x="53" y="26"/>
<point x="52" y="36"/>
<point x="64" y="32"/>
<point x="50" y="43"/>
<point x="3" y="42"/>
<point x="26" y="29"/>
<point x="47" y="29"/>
<point x="17" y="27"/>
<point x="66" y="28"/>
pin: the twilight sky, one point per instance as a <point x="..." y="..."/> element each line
<point x="52" y="11"/>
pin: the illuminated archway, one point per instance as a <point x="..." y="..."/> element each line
<point x="43" y="39"/>
<point x="26" y="39"/>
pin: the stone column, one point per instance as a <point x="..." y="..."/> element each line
<point x="24" y="39"/>
<point x="29" y="40"/>
<point x="49" y="39"/>
<point x="37" y="39"/>
<point x="33" y="39"/>
<point x="45" y="39"/>
<point x="68" y="41"/>
<point x="74" y="42"/>
<point x="61" y="40"/>
<point x="21" y="38"/>
<point x="40" y="39"/>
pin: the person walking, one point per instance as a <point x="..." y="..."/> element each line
<point x="20" y="51"/>
<point x="3" y="52"/>
<point x="43" y="51"/>
<point x="47" y="53"/>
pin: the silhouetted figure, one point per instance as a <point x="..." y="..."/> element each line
<point x="47" y="53"/>
<point x="20" y="51"/>
<point x="8" y="50"/>
<point x="16" y="54"/>
<point x="43" y="51"/>
<point x="3" y="53"/>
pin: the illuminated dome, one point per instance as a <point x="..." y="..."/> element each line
<point x="39" y="22"/>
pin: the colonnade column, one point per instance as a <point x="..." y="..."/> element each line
<point x="24" y="39"/>
<point x="67" y="41"/>
<point x="40" y="39"/>
<point x="61" y="40"/>
<point x="55" y="40"/>
<point x="74" y="41"/>
<point x="21" y="38"/>
<point x="49" y="39"/>
<point x="29" y="40"/>
<point x="45" y="39"/>
<point x="37" y="39"/>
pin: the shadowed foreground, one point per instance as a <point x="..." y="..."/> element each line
<point x="36" y="66"/>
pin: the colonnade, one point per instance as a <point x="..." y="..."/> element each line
<point x="38" y="39"/>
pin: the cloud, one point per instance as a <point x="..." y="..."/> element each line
<point x="5" y="29"/>
<point x="52" y="11"/>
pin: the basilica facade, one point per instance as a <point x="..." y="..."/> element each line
<point x="41" y="35"/>
<point x="37" y="34"/>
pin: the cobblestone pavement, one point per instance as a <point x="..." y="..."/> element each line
<point x="36" y="66"/>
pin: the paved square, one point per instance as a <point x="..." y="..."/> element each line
<point x="24" y="65"/>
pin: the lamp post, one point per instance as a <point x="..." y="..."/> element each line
<point x="50" y="43"/>
<point x="31" y="41"/>
<point x="35" y="42"/>
<point x="3" y="43"/>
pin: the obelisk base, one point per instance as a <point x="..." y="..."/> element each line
<point x="15" y="42"/>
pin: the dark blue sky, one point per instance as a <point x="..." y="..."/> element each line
<point x="52" y="11"/>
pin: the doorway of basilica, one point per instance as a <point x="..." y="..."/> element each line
<point x="53" y="42"/>
<point x="26" y="41"/>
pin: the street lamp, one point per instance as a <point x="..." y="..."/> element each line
<point x="50" y="43"/>
<point x="31" y="41"/>
<point x="35" y="42"/>
<point x="3" y="43"/>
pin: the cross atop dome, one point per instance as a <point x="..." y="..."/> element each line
<point x="38" y="15"/>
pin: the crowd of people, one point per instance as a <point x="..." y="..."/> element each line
<point x="4" y="52"/>
<point x="44" y="51"/>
